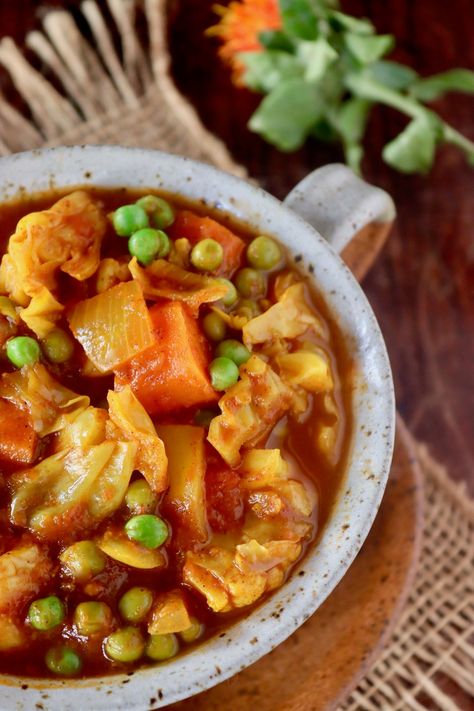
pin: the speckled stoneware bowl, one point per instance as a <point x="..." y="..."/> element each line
<point x="340" y="205"/>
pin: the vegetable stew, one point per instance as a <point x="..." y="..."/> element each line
<point x="174" y="423"/>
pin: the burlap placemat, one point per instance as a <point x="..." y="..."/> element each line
<point x="78" y="90"/>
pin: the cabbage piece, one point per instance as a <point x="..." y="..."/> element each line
<point x="42" y="313"/>
<point x="82" y="428"/>
<point x="169" y="614"/>
<point x="66" y="237"/>
<point x="186" y="496"/>
<point x="110" y="273"/>
<point x="263" y="469"/>
<point x="290" y="317"/>
<point x="114" y="326"/>
<point x="249" y="409"/>
<point x="255" y="557"/>
<point x="72" y="490"/>
<point x="234" y="321"/>
<point x="47" y="401"/>
<point x="305" y="369"/>
<point x="12" y="635"/>
<point x="199" y="577"/>
<point x="162" y="280"/>
<point x="24" y="571"/>
<point x="130" y="421"/>
<point x="116" y="545"/>
<point x="233" y="579"/>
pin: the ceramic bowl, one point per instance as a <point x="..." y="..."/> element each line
<point x="338" y="204"/>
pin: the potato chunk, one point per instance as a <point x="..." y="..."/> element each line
<point x="23" y="572"/>
<point x="169" y="614"/>
<point x="186" y="496"/>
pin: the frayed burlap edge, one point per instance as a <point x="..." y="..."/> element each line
<point x="432" y="647"/>
<point x="127" y="97"/>
<point x="107" y="96"/>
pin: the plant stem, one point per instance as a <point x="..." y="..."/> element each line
<point x="373" y="91"/>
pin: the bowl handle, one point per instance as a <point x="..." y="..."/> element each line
<point x="353" y="216"/>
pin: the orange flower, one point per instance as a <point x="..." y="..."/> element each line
<point x="239" y="28"/>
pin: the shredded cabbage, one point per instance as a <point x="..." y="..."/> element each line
<point x="130" y="421"/>
<point x="72" y="490"/>
<point x="42" y="313"/>
<point x="288" y="318"/>
<point x="47" y="401"/>
<point x="249" y="409"/>
<point x="163" y="280"/>
<point x="66" y="237"/>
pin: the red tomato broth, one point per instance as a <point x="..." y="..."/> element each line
<point x="221" y="481"/>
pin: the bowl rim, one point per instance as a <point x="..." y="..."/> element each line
<point x="372" y="440"/>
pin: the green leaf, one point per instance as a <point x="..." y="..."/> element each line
<point x="367" y="49"/>
<point x="413" y="150"/>
<point x="341" y="21"/>
<point x="351" y="122"/>
<point x="352" y="119"/>
<point x="316" y="56"/>
<point x="285" y="117"/>
<point x="265" y="70"/>
<point x="299" y="18"/>
<point x="392" y="74"/>
<point x="276" y="39"/>
<point x="433" y="87"/>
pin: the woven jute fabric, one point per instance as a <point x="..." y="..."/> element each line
<point x="77" y="90"/>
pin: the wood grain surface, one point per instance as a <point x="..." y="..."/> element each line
<point x="422" y="288"/>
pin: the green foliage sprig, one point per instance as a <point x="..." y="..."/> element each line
<point x="324" y="71"/>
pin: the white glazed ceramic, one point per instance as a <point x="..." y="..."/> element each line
<point x="339" y="204"/>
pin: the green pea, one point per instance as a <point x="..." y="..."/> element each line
<point x="224" y="373"/>
<point x="161" y="646"/>
<point x="231" y="297"/>
<point x="135" y="604"/>
<point x="151" y="531"/>
<point x="63" y="661"/>
<point x="46" y="613"/>
<point x="214" y="326"/>
<point x="83" y="560"/>
<point x="165" y="245"/>
<point x="193" y="632"/>
<point x="203" y="417"/>
<point x="8" y="308"/>
<point x="145" y="245"/>
<point x="235" y="350"/>
<point x="58" y="346"/>
<point x="125" y="645"/>
<point x="23" y="350"/>
<point x="207" y="255"/>
<point x="159" y="211"/>
<point x="263" y="253"/>
<point x="92" y="618"/>
<point x="250" y="283"/>
<point x="139" y="497"/>
<point x="129" y="219"/>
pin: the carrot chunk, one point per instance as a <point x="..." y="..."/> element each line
<point x="195" y="228"/>
<point x="18" y="440"/>
<point x="172" y="373"/>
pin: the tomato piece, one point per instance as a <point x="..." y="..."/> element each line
<point x="224" y="502"/>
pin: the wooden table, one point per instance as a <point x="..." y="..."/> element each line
<point x="422" y="288"/>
